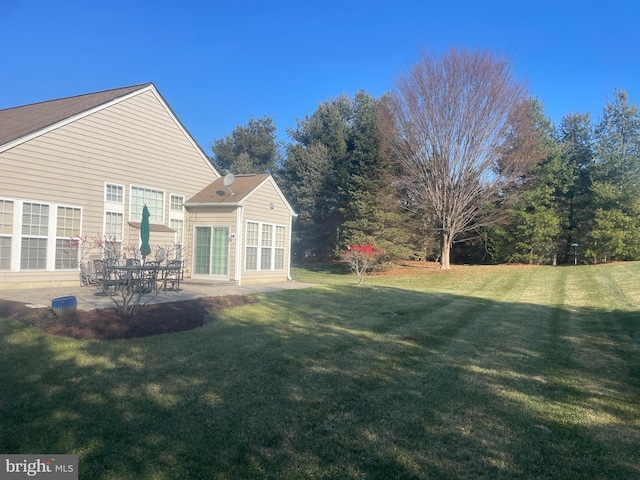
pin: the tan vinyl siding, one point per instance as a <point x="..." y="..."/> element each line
<point x="114" y="145"/>
<point x="28" y="279"/>
<point x="133" y="142"/>
<point x="259" y="204"/>
<point x="258" y="209"/>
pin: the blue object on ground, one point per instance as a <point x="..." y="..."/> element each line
<point x="64" y="305"/>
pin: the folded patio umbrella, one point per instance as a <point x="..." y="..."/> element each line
<point x="145" y="249"/>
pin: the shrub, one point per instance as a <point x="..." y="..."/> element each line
<point x="361" y="259"/>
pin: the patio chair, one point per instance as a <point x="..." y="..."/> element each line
<point x="85" y="275"/>
<point x="172" y="274"/>
<point x="105" y="279"/>
<point x="150" y="276"/>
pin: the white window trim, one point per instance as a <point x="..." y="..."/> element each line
<point x="104" y="223"/>
<point x="260" y="247"/>
<point x="56" y="238"/>
<point x="177" y="215"/>
<point x="164" y="202"/>
<point x="16" y="241"/>
<point x="115" y="206"/>
<point x="11" y="235"/>
<point x="51" y="238"/>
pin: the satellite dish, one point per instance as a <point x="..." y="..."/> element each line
<point x="228" y="180"/>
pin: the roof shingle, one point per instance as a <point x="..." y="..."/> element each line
<point x="18" y="122"/>
<point x="218" y="193"/>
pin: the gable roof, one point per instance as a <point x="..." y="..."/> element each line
<point x="216" y="194"/>
<point x="18" y="122"/>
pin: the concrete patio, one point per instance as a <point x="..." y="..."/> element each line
<point x="90" y="297"/>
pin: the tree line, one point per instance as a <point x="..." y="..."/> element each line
<point x="457" y="160"/>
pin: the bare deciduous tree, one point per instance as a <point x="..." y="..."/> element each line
<point x="463" y="138"/>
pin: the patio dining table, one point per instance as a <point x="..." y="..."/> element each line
<point x="133" y="278"/>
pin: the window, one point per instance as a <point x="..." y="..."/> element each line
<point x="113" y="211"/>
<point x="6" y="232"/>
<point x="114" y="193"/>
<point x="33" y="254"/>
<point x="35" y="219"/>
<point x="5" y="253"/>
<point x="265" y="246"/>
<point x="113" y="225"/>
<point x="67" y="226"/>
<point x="178" y="226"/>
<point x="40" y="237"/>
<point x="35" y="229"/>
<point x="153" y="199"/>
<point x="176" y="222"/>
<point x="68" y="222"/>
<point x="176" y="203"/>
<point x="281" y="242"/>
<point x="266" y="242"/>
<point x="251" y="260"/>
<point x="6" y="217"/>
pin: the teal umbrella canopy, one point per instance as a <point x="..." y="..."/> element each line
<point x="145" y="249"/>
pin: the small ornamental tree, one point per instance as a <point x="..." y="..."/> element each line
<point x="361" y="259"/>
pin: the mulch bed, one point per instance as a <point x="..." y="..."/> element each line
<point x="106" y="324"/>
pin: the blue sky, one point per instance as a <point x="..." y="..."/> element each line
<point x="219" y="63"/>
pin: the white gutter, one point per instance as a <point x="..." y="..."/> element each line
<point x="213" y="204"/>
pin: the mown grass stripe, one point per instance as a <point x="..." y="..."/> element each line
<point x="482" y="372"/>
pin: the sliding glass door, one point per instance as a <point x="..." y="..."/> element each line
<point x="212" y="251"/>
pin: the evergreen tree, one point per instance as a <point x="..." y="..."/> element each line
<point x="339" y="181"/>
<point x="250" y="148"/>
<point x="370" y="207"/>
<point x="305" y="176"/>
<point x="318" y="138"/>
<point x="575" y="136"/>
<point x="583" y="197"/>
<point x="538" y="213"/>
<point x="616" y="182"/>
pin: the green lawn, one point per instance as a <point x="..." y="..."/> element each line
<point x="482" y="372"/>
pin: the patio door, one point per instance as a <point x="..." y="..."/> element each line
<point x="212" y="251"/>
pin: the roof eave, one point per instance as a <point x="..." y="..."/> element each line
<point x="212" y="204"/>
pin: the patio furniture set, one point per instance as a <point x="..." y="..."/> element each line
<point x="133" y="276"/>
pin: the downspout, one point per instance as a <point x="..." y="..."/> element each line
<point x="239" y="243"/>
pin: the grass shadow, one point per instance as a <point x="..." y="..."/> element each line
<point x="337" y="382"/>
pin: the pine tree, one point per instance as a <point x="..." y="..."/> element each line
<point x="340" y="181"/>
<point x="615" y="188"/>
<point x="250" y="148"/>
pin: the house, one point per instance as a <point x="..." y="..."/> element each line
<point x="75" y="174"/>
